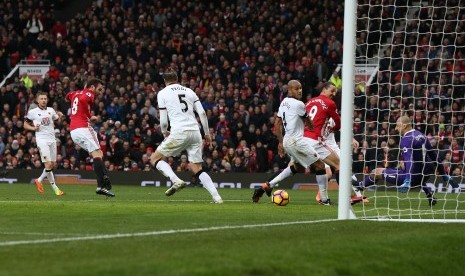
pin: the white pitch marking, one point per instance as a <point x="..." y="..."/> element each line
<point x="38" y="234"/>
<point x="124" y="200"/>
<point x="156" y="233"/>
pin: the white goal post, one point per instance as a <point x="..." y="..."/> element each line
<point x="419" y="49"/>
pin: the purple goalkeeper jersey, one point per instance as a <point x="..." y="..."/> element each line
<point x="418" y="154"/>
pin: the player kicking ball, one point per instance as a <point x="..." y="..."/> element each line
<point x="41" y="120"/>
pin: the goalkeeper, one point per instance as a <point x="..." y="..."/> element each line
<point x="419" y="158"/>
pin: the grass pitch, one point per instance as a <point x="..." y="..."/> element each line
<point x="143" y="232"/>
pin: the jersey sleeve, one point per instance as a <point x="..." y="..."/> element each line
<point x="280" y="113"/>
<point x="161" y="102"/>
<point x="301" y="111"/>
<point x="28" y="117"/>
<point x="69" y="96"/>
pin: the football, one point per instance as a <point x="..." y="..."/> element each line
<point x="280" y="198"/>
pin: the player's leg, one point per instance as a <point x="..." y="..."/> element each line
<point x="375" y="175"/>
<point x="329" y="174"/>
<point x="291" y="149"/>
<point x="422" y="179"/>
<point x="86" y="138"/>
<point x="173" y="145"/>
<point x="194" y="154"/>
<point x="49" y="168"/>
<point x="319" y="168"/>
<point x="44" y="154"/>
<point x="333" y="146"/>
<point x="274" y="180"/>
<point x="206" y="181"/>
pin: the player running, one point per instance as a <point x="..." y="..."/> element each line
<point x="41" y="120"/>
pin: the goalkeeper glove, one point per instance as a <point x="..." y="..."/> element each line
<point x="405" y="186"/>
<point x="448" y="179"/>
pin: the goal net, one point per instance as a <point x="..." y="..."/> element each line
<point x="419" y="50"/>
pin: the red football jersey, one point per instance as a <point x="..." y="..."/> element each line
<point x="320" y="109"/>
<point x="82" y="102"/>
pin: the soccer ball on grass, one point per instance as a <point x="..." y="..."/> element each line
<point x="280" y="198"/>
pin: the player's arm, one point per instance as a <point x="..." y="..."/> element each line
<point x="407" y="155"/>
<point x="58" y="116"/>
<point x="163" y="115"/>
<point x="164" y="121"/>
<point x="203" y="119"/>
<point x="278" y="127"/>
<point x="406" y="147"/>
<point x="29" y="125"/>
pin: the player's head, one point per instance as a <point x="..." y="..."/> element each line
<point x="403" y="125"/>
<point x="95" y="85"/>
<point x="170" y="76"/>
<point x="294" y="89"/>
<point x="329" y="90"/>
<point x="42" y="99"/>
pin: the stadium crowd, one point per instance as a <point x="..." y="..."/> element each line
<point x="238" y="57"/>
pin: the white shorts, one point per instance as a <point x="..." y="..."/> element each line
<point x="86" y="138"/>
<point x="189" y="140"/>
<point x="48" y="150"/>
<point x="301" y="151"/>
<point x="323" y="150"/>
<point x="331" y="143"/>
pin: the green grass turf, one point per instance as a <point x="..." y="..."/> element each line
<point x="314" y="247"/>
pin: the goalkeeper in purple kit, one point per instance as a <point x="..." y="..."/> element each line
<point x="419" y="159"/>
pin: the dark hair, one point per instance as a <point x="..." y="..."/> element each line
<point x="95" y="82"/>
<point x="170" y="75"/>
<point x="328" y="85"/>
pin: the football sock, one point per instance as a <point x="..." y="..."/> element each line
<point x="51" y="178"/>
<point x="99" y="170"/>
<point x="280" y="177"/>
<point x="167" y="171"/>
<point x="42" y="176"/>
<point x="322" y="180"/>
<point x="207" y="182"/>
<point x="356" y="189"/>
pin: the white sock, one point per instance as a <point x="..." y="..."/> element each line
<point x="167" y="171"/>
<point x="51" y="177"/>
<point x="42" y="176"/>
<point x="280" y="177"/>
<point x="208" y="184"/>
<point x="322" y="181"/>
<point x="356" y="190"/>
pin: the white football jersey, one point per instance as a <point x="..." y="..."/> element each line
<point x="291" y="112"/>
<point x="44" y="118"/>
<point x="179" y="103"/>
